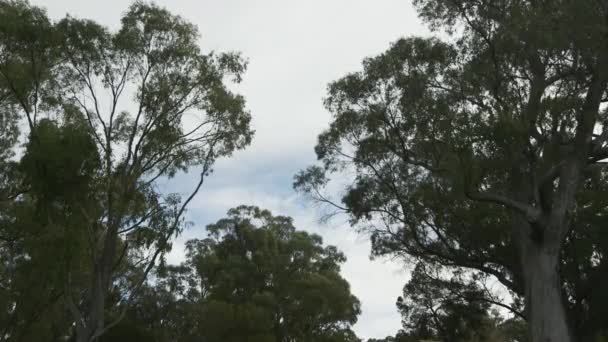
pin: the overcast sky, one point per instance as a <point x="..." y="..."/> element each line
<point x="294" y="48"/>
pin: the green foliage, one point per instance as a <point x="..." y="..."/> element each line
<point x="268" y="279"/>
<point x="455" y="309"/>
<point x="46" y="242"/>
<point x="457" y="317"/>
<point x="256" y="278"/>
<point x="27" y="57"/>
<point x="60" y="162"/>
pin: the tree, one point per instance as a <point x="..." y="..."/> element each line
<point x="255" y="278"/>
<point x="455" y="309"/>
<point x="260" y="274"/>
<point x="29" y="300"/>
<point x="434" y="309"/>
<point x="44" y="244"/>
<point x="478" y="151"/>
<point x="71" y="82"/>
<point x="439" y="306"/>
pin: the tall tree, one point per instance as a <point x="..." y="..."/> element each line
<point x="255" y="278"/>
<point x="42" y="231"/>
<point x="30" y="303"/>
<point x="258" y="273"/>
<point x="146" y="103"/>
<point x="474" y="151"/>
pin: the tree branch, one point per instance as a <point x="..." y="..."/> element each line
<point x="532" y="214"/>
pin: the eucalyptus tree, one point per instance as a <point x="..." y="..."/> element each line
<point x="482" y="150"/>
<point x="260" y="279"/>
<point x="28" y="302"/>
<point x="135" y="106"/>
<point x="255" y="278"/>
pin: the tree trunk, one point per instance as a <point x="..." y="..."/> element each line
<point x="547" y="321"/>
<point x="94" y="323"/>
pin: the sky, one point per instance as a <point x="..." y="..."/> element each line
<point x="294" y="49"/>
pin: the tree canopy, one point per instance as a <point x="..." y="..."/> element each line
<point x="482" y="150"/>
<point x="255" y="278"/>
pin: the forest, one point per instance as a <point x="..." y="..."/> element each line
<point x="476" y="157"/>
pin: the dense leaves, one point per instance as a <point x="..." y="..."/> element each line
<point x="456" y="309"/>
<point x="271" y="281"/>
<point x="256" y="278"/>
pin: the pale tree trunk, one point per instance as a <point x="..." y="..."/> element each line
<point x="541" y="242"/>
<point x="547" y="320"/>
<point x="94" y="315"/>
<point x="539" y="245"/>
